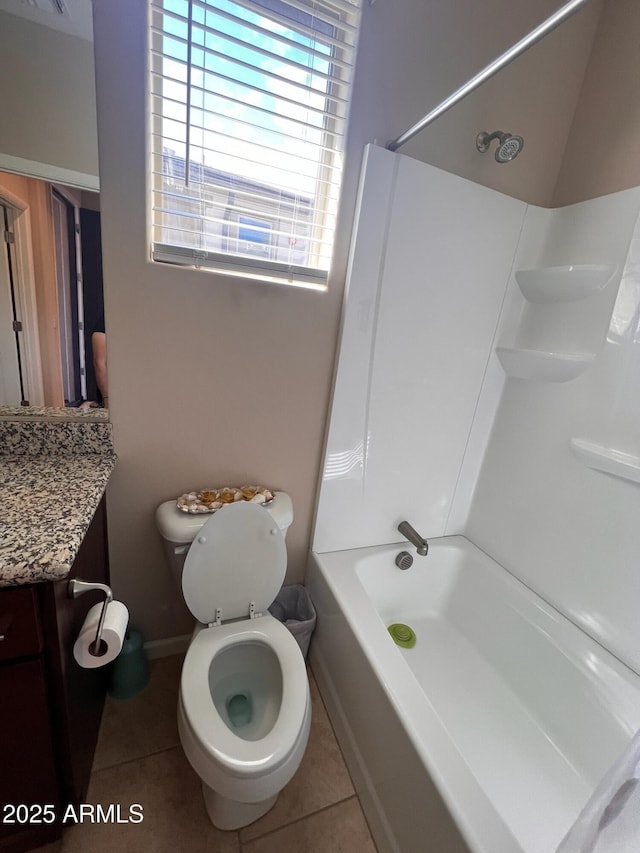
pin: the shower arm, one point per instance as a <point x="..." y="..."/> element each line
<point x="513" y="53"/>
<point x="486" y="138"/>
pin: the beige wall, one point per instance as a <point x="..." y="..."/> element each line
<point x="217" y="381"/>
<point x="415" y="56"/>
<point x="603" y="151"/>
<point x="212" y="381"/>
<point x="414" y="53"/>
<point x="48" y="96"/>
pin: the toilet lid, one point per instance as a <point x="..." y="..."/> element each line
<point x="238" y="556"/>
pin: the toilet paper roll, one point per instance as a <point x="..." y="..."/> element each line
<point x="113" y="632"/>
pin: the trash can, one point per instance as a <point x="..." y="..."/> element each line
<point x="130" y="673"/>
<point x="293" y="607"/>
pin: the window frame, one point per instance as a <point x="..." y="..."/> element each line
<point x="310" y="215"/>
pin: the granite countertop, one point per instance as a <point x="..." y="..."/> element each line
<point x="51" y="482"/>
<point x="52" y="413"/>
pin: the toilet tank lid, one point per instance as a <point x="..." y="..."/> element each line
<point x="181" y="527"/>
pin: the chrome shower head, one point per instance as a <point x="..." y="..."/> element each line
<point x="508" y="148"/>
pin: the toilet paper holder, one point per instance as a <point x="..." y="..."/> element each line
<point x="78" y="587"/>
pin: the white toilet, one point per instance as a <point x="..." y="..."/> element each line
<point x="244" y="709"/>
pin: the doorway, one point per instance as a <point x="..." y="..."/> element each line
<point x="51" y="297"/>
<point x="78" y="251"/>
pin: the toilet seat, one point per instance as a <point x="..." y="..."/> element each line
<point x="238" y="757"/>
<point x="237" y="560"/>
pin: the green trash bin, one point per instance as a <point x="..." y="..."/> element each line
<point x="131" y="672"/>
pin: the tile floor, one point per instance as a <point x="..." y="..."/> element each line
<point x="139" y="760"/>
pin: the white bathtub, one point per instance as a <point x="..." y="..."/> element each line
<point x="491" y="733"/>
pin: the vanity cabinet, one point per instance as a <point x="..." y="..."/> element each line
<point x="50" y="708"/>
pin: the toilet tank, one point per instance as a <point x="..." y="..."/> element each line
<point x="178" y="529"/>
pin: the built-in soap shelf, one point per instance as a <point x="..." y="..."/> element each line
<point x="565" y="283"/>
<point x="549" y="285"/>
<point x="615" y="462"/>
<point x="542" y="364"/>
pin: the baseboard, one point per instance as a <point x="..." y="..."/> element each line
<point x="165" y="648"/>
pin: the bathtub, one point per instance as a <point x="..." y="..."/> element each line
<point x="491" y="733"/>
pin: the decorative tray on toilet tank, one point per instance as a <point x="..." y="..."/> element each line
<point x="211" y="500"/>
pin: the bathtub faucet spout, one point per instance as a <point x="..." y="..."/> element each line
<point x="422" y="546"/>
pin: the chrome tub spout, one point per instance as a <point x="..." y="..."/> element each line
<point x="421" y="545"/>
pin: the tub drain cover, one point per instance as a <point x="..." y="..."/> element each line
<point x="403" y="635"/>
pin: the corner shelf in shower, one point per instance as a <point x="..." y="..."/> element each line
<point x="563" y="284"/>
<point x="542" y="364"/>
<point x="615" y="462"/>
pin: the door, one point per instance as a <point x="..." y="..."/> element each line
<point x="11" y="378"/>
<point x="70" y="308"/>
<point x="92" y="290"/>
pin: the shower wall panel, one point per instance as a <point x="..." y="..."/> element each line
<point x="431" y="258"/>
<point x="542" y="474"/>
<point x="552" y="515"/>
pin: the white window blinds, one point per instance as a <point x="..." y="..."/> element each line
<point x="248" y="110"/>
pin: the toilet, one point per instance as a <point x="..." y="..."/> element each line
<point x="244" y="709"/>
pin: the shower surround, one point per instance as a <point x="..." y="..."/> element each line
<point x="487" y="386"/>
<point x="426" y="425"/>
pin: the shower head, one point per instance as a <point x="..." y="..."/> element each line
<point x="509" y="146"/>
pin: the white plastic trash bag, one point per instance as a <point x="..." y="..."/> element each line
<point x="610" y="821"/>
<point x="293" y="607"/>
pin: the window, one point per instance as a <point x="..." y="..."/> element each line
<point x="248" y="110"/>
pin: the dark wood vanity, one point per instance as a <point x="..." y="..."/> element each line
<point x="50" y="707"/>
